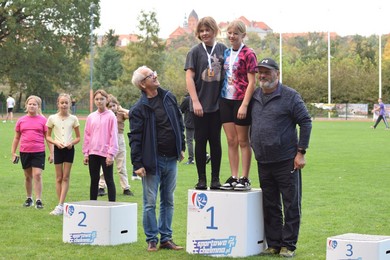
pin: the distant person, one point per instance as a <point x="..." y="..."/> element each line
<point x="62" y="125"/>
<point x="381" y="109"/>
<point x="10" y="108"/>
<point x="157" y="143"/>
<point x="189" y="127"/>
<point x="120" y="159"/>
<point x="30" y="132"/>
<point x="204" y="77"/>
<point x="74" y="106"/>
<point x="101" y="145"/>
<point x="279" y="149"/>
<point x="238" y="86"/>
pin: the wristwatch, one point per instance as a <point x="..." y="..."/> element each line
<point x="302" y="151"/>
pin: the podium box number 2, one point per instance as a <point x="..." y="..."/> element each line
<point x="99" y="223"/>
<point x="225" y="223"/>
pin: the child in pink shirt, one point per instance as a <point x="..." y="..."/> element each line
<point x="30" y="132"/>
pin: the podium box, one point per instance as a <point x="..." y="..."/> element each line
<point x="99" y="223"/>
<point x="358" y="246"/>
<point x="225" y="223"/>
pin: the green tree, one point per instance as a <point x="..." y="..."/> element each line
<point x="147" y="51"/>
<point x="309" y="78"/>
<point x="107" y="65"/>
<point x="365" y="48"/>
<point x="42" y="42"/>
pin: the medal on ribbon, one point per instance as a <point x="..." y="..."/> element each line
<point x="210" y="72"/>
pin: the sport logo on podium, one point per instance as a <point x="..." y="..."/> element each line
<point x="69" y="210"/>
<point x="199" y="200"/>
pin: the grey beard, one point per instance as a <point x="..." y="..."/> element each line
<point x="268" y="85"/>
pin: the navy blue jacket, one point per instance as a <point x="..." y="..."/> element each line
<point x="274" y="136"/>
<point x="143" y="135"/>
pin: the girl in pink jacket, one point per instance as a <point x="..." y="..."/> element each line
<point x="101" y="145"/>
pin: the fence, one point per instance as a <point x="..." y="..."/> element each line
<point x="49" y="106"/>
<point x="346" y="110"/>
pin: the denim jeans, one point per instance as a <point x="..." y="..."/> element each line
<point x="166" y="179"/>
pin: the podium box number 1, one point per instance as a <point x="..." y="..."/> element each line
<point x="225" y="223"/>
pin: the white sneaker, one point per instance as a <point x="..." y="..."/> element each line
<point x="59" y="210"/>
<point x="136" y="178"/>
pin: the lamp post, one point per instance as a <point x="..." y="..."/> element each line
<point x="91" y="7"/>
<point x="281" y="56"/>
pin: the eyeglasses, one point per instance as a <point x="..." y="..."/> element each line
<point x="151" y="75"/>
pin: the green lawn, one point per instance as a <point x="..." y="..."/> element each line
<point x="345" y="190"/>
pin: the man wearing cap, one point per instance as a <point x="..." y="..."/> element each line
<point x="280" y="153"/>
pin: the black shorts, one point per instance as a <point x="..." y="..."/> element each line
<point x="36" y="160"/>
<point x="10" y="109"/>
<point x="229" y="108"/>
<point x="63" y="155"/>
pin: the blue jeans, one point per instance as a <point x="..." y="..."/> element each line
<point x="166" y="179"/>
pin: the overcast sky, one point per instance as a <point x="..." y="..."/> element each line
<point x="345" y="17"/>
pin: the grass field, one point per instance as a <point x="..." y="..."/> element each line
<point x="345" y="190"/>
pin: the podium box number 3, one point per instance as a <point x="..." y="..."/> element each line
<point x="225" y="223"/>
<point x="358" y="246"/>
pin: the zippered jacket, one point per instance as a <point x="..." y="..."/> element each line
<point x="274" y="135"/>
<point x="143" y="135"/>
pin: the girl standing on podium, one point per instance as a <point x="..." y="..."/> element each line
<point x="237" y="90"/>
<point x="204" y="77"/>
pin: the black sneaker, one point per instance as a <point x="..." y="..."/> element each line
<point x="128" y="193"/>
<point x="28" y="203"/>
<point x="230" y="183"/>
<point x="243" y="184"/>
<point x="38" y="204"/>
<point x="190" y="162"/>
<point x="101" y="192"/>
<point x="215" y="185"/>
<point x="201" y="185"/>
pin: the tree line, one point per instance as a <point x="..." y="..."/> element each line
<point x="45" y="49"/>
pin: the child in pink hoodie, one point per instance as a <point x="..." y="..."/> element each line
<point x="101" y="145"/>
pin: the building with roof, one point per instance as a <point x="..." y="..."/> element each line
<point x="189" y="26"/>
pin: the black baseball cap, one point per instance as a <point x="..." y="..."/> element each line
<point x="268" y="63"/>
